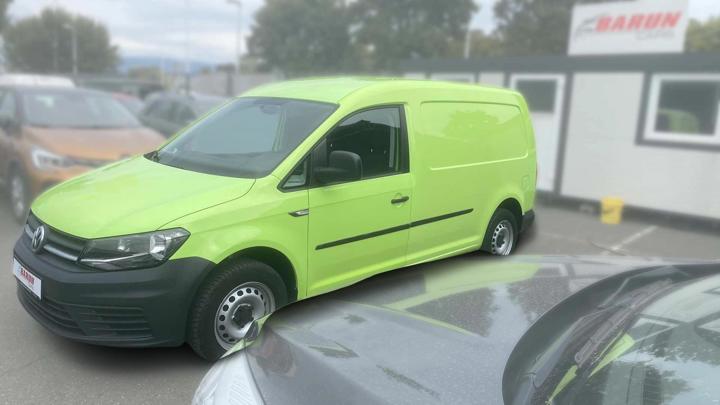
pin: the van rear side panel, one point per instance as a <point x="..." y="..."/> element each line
<point x="467" y="156"/>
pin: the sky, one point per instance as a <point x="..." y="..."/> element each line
<point x="157" y="28"/>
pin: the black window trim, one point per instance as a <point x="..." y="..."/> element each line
<point x="404" y="151"/>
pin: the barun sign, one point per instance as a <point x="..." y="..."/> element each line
<point x="642" y="26"/>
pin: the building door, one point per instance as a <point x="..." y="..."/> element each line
<point x="544" y="94"/>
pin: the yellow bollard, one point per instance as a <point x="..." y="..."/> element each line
<point x="611" y="210"/>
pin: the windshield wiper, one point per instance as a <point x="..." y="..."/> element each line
<point x="607" y="333"/>
<point x="590" y="352"/>
<point x="590" y="336"/>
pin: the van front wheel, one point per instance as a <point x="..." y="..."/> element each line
<point x="235" y="295"/>
<point x="502" y="233"/>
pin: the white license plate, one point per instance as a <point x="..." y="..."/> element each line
<point x="29" y="280"/>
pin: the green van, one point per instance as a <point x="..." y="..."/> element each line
<point x="289" y="191"/>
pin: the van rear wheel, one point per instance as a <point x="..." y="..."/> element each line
<point x="502" y="233"/>
<point x="238" y="293"/>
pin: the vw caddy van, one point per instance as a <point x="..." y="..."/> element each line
<point x="289" y="191"/>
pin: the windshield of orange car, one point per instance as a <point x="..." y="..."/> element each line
<point x="74" y="109"/>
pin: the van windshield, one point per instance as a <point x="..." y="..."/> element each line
<point x="246" y="138"/>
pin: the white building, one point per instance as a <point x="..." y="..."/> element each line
<point x="643" y="127"/>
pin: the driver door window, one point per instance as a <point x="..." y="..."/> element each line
<point x="375" y="136"/>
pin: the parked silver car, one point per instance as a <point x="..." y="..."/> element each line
<point x="526" y="331"/>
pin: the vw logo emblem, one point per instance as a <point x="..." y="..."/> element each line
<point x="38" y="239"/>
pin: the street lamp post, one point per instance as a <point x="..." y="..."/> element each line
<point x="73" y="38"/>
<point x="238" y="34"/>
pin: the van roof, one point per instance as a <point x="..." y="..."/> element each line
<point x="335" y="89"/>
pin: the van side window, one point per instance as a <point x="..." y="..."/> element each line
<point x="375" y="136"/>
<point x="298" y="177"/>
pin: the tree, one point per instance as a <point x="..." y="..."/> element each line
<point x="482" y="44"/>
<point x="329" y="36"/>
<point x="703" y="37"/>
<point x="303" y="36"/>
<point x="534" y="26"/>
<point x="3" y="13"/>
<point x="390" y="31"/>
<point x="43" y="44"/>
<point x="528" y="27"/>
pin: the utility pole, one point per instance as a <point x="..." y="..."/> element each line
<point x="468" y="39"/>
<point x="73" y="39"/>
<point x="238" y="34"/>
<point x="187" y="48"/>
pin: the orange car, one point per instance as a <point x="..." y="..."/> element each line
<point x="49" y="134"/>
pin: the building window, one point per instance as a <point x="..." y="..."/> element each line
<point x="684" y="109"/>
<point x="539" y="94"/>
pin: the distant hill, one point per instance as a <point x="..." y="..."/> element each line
<point x="168" y="64"/>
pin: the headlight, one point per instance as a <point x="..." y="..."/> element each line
<point x="133" y="251"/>
<point x="45" y="160"/>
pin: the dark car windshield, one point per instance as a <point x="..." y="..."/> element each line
<point x="75" y="109"/>
<point x="668" y="354"/>
<point x="247" y="138"/>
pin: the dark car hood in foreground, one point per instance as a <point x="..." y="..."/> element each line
<point x="440" y="332"/>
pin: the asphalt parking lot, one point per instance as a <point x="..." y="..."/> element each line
<point x="38" y="367"/>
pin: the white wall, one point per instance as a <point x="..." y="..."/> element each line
<point x="601" y="157"/>
<point x="454" y="77"/>
<point x="492" y="78"/>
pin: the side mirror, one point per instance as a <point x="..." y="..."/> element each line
<point x="342" y="166"/>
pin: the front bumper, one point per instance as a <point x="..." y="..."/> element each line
<point x="133" y="308"/>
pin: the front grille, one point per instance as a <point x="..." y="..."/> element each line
<point x="113" y="321"/>
<point x="86" y="320"/>
<point x="57" y="243"/>
<point x="54" y="313"/>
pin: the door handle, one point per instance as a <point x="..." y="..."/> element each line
<point x="399" y="200"/>
<point x="299" y="213"/>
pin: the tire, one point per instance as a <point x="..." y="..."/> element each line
<point x="18" y="195"/>
<point x="502" y="233"/>
<point x="235" y="294"/>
